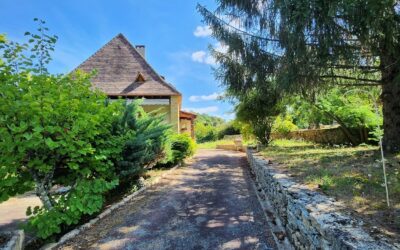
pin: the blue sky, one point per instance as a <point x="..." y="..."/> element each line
<point x="176" y="40"/>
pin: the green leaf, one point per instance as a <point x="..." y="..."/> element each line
<point x="51" y="144"/>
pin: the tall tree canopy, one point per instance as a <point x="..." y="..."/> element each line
<point x="307" y="45"/>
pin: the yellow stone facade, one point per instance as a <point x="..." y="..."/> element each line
<point x="175" y="108"/>
<point x="170" y="111"/>
<point x="161" y="109"/>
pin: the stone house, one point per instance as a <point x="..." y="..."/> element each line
<point x="123" y="72"/>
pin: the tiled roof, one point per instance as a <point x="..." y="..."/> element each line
<point x="118" y="65"/>
<point x="186" y="114"/>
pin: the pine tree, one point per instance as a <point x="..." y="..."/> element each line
<point x="307" y="45"/>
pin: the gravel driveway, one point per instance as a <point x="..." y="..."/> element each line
<point x="209" y="204"/>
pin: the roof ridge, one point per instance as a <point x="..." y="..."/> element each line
<point x="160" y="79"/>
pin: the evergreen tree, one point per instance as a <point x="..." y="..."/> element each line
<point x="309" y="45"/>
<point x="147" y="140"/>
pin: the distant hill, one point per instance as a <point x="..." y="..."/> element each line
<point x="209" y="120"/>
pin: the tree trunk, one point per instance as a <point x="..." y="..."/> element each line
<point x="390" y="97"/>
<point x="43" y="186"/>
<point x="391" y="115"/>
<point x="44" y="196"/>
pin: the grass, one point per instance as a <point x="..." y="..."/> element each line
<point x="213" y="144"/>
<point x="353" y="175"/>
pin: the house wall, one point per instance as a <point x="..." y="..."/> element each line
<point x="186" y="126"/>
<point x="174" y="113"/>
<point x="171" y="112"/>
<point x="161" y="109"/>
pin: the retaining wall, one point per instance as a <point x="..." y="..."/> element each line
<point x="311" y="220"/>
<point x="324" y="135"/>
<point x="15" y="240"/>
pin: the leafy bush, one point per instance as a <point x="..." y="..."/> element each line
<point x="57" y="131"/>
<point x="54" y="130"/>
<point x="182" y="146"/>
<point x="283" y="125"/>
<point x="210" y="128"/>
<point x="205" y="132"/>
<point x="228" y="129"/>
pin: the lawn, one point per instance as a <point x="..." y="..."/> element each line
<point x="352" y="175"/>
<point x="213" y="144"/>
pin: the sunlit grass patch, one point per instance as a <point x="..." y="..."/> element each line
<point x="351" y="174"/>
<point x="213" y="144"/>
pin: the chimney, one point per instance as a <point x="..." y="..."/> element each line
<point x="142" y="50"/>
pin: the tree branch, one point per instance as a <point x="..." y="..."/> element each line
<point x="352" y="78"/>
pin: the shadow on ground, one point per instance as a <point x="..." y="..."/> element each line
<point x="210" y="204"/>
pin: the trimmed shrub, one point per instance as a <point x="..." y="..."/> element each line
<point x="182" y="146"/>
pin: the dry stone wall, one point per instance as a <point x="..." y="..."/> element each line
<point x="324" y="136"/>
<point x="14" y="241"/>
<point x="311" y="220"/>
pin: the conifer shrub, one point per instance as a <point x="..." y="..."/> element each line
<point x="146" y="141"/>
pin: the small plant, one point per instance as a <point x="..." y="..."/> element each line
<point x="182" y="146"/>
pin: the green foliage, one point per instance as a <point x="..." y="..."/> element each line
<point x="207" y="127"/>
<point x="353" y="109"/>
<point x="55" y="130"/>
<point x="228" y="129"/>
<point x="259" y="112"/>
<point x="307" y="46"/>
<point x="205" y="132"/>
<point x="245" y="129"/>
<point x="146" y="140"/>
<point x="182" y="146"/>
<point x="283" y="125"/>
<point x="305" y="114"/>
<point x="209" y="120"/>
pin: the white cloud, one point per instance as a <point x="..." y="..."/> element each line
<point x="210" y="60"/>
<point x="209" y="109"/>
<point x="198" y="98"/>
<point x="205" y="57"/>
<point x="199" y="56"/>
<point x="202" y="31"/>
<point x="221" y="47"/>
